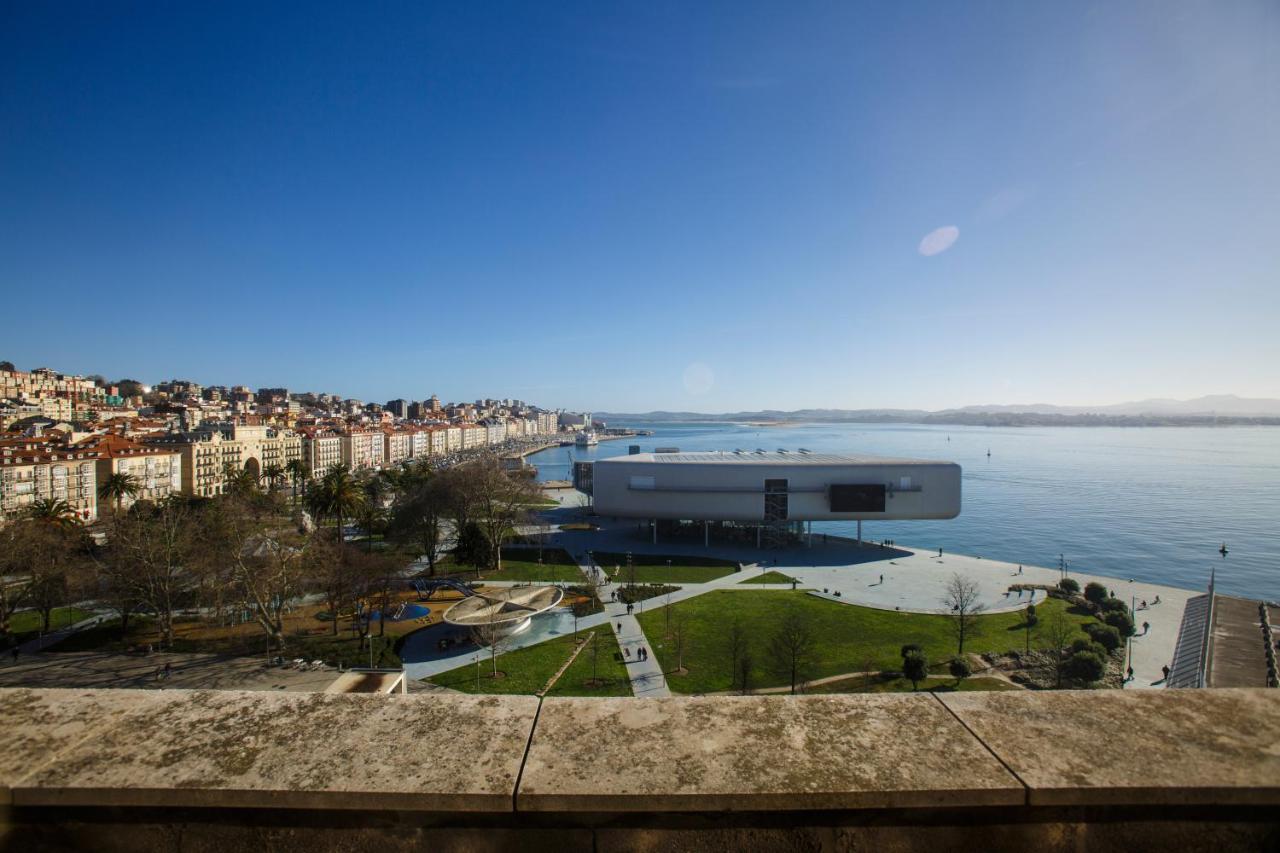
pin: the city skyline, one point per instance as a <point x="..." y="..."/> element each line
<point x="711" y="209"/>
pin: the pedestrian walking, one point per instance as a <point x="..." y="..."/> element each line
<point x="168" y="670"/>
<point x="1165" y="670"/>
<point x="882" y="580"/>
<point x="627" y="651"/>
<point x="939" y="552"/>
<point x="619" y="627"/>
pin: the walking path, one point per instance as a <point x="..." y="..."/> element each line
<point x="646" y="675"/>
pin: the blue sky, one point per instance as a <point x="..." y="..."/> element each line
<point x="645" y="205"/>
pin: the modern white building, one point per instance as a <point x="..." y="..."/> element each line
<point x="774" y="488"/>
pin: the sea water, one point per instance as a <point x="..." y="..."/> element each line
<point x="1154" y="504"/>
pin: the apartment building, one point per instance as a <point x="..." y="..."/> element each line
<point x="362" y="449"/>
<point x="32" y="471"/>
<point x="397" y="446"/>
<point x="208" y="452"/>
<point x="322" y="449"/>
<point x="473" y="436"/>
<point x="157" y="471"/>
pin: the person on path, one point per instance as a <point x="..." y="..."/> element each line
<point x="1165" y="670"/>
<point x="1146" y="627"/>
<point x="168" y="670"/>
<point x="619" y="627"/>
<point x="882" y="580"/>
<point x="627" y="651"/>
<point x="939" y="552"/>
<point x="16" y="652"/>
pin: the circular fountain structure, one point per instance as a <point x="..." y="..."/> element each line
<point x="491" y="616"/>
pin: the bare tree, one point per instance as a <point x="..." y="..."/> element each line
<point x="40" y="559"/>
<point x="680" y="637"/>
<point x="258" y="557"/>
<point x="1057" y="631"/>
<point x="746" y="669"/>
<point x="150" y="551"/>
<point x="962" y="597"/>
<point x="792" y="648"/>
<point x="501" y="501"/>
<point x="735" y="648"/>
<point x="494" y="635"/>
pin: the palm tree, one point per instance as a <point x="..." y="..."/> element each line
<point x="54" y="511"/>
<point x="297" y="470"/>
<point x="238" y="481"/>
<point x="117" y="487"/>
<point x="273" y="474"/>
<point x="337" y="495"/>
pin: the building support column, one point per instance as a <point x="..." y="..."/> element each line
<point x="859" y="531"/>
<point x="758" y="529"/>
<point x="706" y="534"/>
<point x="655" y="531"/>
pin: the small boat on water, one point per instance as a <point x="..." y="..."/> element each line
<point x="586" y="438"/>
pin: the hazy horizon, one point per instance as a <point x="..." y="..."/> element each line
<point x="712" y="208"/>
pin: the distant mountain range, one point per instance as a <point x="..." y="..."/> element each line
<point x="1218" y="408"/>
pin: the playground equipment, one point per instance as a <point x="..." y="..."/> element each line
<point x="428" y="586"/>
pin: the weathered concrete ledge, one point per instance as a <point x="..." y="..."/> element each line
<point x="1101" y="769"/>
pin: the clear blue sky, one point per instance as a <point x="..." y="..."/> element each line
<point x="643" y="205"/>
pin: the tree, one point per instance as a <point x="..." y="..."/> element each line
<point x="1028" y="622"/>
<point x="118" y="486"/>
<point x="1057" y="630"/>
<point x="262" y="560"/>
<point x="52" y="510"/>
<point x="274" y="475"/>
<point x="792" y="648"/>
<point x="298" y="473"/>
<point x="40" y="558"/>
<point x="128" y="387"/>
<point x="735" y="648"/>
<point x="501" y="501"/>
<point x="915" y="667"/>
<point x="150" y="551"/>
<point x="746" y="669"/>
<point x="1121" y="621"/>
<point x="8" y="365"/>
<point x="472" y="548"/>
<point x="960" y="669"/>
<point x="679" y="638"/>
<point x="1095" y="592"/>
<point x="238" y="481"/>
<point x="338" y="496"/>
<point x="1086" y="666"/>
<point x="1104" y="635"/>
<point x="962" y="597"/>
<point x="494" y="635"/>
<point x="418" y="511"/>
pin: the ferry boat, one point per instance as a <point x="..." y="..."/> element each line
<point x="586" y="438"/>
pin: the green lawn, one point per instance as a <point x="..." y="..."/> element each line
<point x="770" y="577"/>
<point x="848" y="638"/>
<point x="933" y="684"/>
<point x="521" y="564"/>
<point x="30" y="622"/>
<point x="608" y="669"/>
<point x="653" y="568"/>
<point x="527" y="670"/>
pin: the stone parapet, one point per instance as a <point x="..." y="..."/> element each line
<point x="174" y="769"/>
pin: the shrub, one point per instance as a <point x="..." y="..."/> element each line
<point x="1104" y="635"/>
<point x="1114" y="605"/>
<point x="1069" y="585"/>
<point x="1081" y="644"/>
<point x="1095" y="592"/>
<point x="915" y="667"/>
<point x="1086" y="666"/>
<point x="1120" y="621"/>
<point x="1031" y="616"/>
<point x="959" y="669"/>
<point x="910" y="648"/>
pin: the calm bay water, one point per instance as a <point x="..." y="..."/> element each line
<point x="1151" y="504"/>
